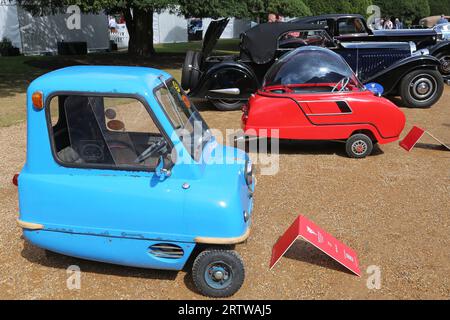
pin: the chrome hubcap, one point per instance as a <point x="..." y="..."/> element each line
<point x="218" y="275"/>
<point x="422" y="87"/>
<point x="359" y="147"/>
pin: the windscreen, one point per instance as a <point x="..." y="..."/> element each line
<point x="184" y="117"/>
<point x="310" y="65"/>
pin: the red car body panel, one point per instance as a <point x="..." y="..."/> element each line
<point x="322" y="116"/>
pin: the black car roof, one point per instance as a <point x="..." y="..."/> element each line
<point x="333" y="16"/>
<point x="260" y="42"/>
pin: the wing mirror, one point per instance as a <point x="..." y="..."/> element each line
<point x="162" y="171"/>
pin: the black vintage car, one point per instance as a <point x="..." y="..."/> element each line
<point x="228" y="81"/>
<point x="353" y="27"/>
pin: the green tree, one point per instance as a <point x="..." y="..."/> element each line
<point x="138" y="16"/>
<point x="212" y="8"/>
<point x="253" y="9"/>
<point x="438" y="7"/>
<point x="319" y="7"/>
<point x="409" y="11"/>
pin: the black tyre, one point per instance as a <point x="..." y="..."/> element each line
<point x="190" y="73"/>
<point x="218" y="273"/>
<point x="444" y="59"/>
<point x="421" y="88"/>
<point x="227" y="104"/>
<point x="359" y="146"/>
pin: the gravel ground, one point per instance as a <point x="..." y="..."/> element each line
<point x="391" y="208"/>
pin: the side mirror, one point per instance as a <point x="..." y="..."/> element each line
<point x="161" y="171"/>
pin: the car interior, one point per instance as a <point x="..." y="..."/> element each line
<point x="86" y="133"/>
<point x="351" y="26"/>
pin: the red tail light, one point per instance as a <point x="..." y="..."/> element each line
<point x="15" y="179"/>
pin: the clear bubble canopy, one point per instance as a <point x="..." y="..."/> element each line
<point x="310" y="65"/>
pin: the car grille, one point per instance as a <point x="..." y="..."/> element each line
<point x="372" y="63"/>
<point x="166" y="250"/>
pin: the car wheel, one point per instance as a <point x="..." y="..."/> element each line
<point x="190" y="72"/>
<point x="218" y="273"/>
<point x="422" y="88"/>
<point x="358" y="146"/>
<point x="444" y="59"/>
<point x="227" y="104"/>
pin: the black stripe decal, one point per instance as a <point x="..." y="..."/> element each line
<point x="343" y="106"/>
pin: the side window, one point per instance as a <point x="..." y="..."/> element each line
<point x="351" y="26"/>
<point x="321" y="22"/>
<point x="105" y="132"/>
<point x="294" y="39"/>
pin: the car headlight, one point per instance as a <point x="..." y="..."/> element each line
<point x="412" y="47"/>
<point x="421" y="52"/>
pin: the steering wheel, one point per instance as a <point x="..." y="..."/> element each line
<point x="343" y="83"/>
<point x="147" y="153"/>
<point x="91" y="152"/>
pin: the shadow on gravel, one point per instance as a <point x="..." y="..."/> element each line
<point x="307" y="147"/>
<point x="398" y="102"/>
<point x="204" y="105"/>
<point x="58" y="261"/>
<point x="430" y="146"/>
<point x="306" y="252"/>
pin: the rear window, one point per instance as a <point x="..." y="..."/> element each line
<point x="351" y="26"/>
<point x="299" y="38"/>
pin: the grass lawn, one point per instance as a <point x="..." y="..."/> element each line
<point x="16" y="73"/>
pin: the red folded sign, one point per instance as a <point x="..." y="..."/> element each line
<point x="410" y="140"/>
<point x="310" y="232"/>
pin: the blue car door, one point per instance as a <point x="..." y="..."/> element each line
<point x="108" y="148"/>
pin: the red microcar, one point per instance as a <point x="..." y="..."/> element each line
<point x="312" y="94"/>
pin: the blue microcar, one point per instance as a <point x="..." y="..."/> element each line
<point x="121" y="168"/>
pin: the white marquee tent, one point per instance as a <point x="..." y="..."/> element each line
<point x="37" y="35"/>
<point x="40" y="34"/>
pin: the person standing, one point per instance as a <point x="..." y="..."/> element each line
<point x="388" y="24"/>
<point x="398" y="24"/>
<point x="112" y="24"/>
<point x="271" y="18"/>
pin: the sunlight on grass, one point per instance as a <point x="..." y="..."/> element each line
<point x="16" y="73"/>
